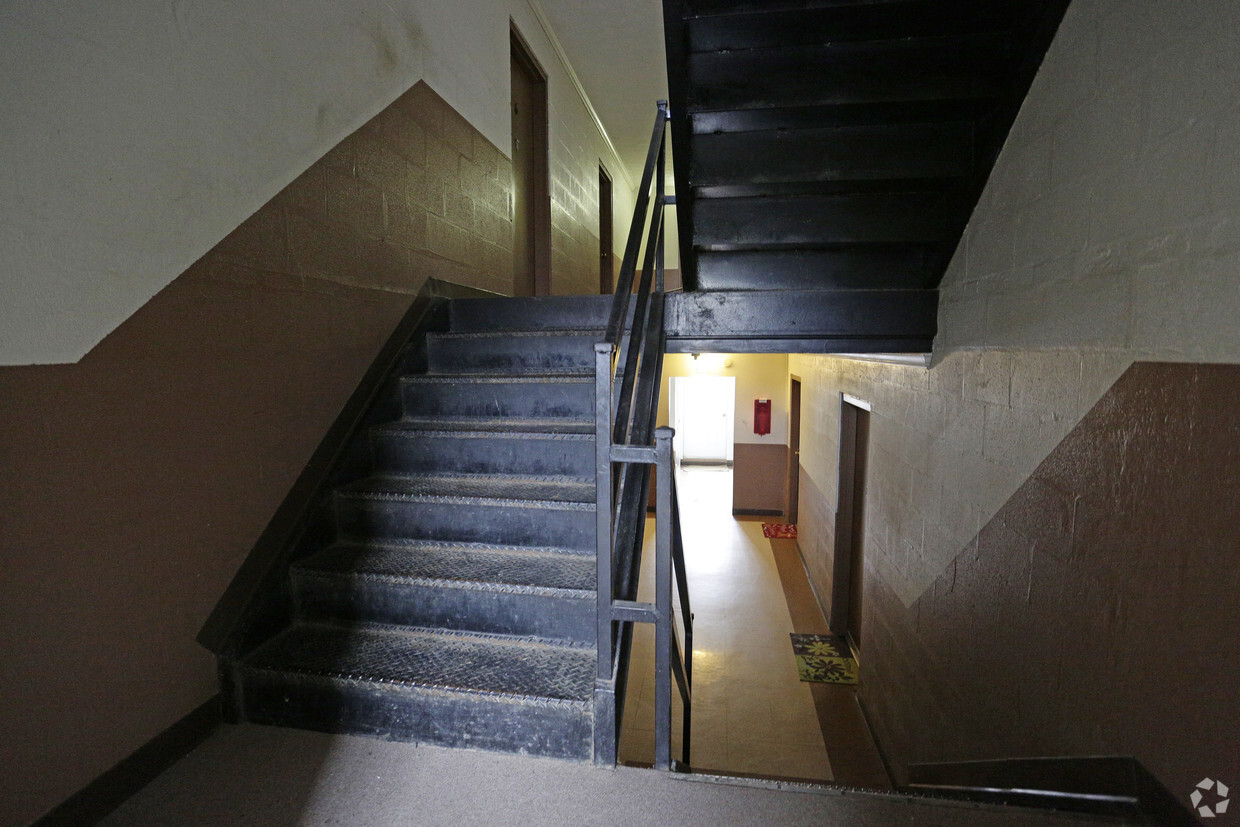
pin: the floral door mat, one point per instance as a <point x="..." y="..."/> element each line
<point x="824" y="659"/>
<point x="781" y="531"/>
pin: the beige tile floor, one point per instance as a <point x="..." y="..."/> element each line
<point x="751" y="714"/>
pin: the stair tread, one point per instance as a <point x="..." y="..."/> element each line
<point x="533" y="491"/>
<point x="773" y="24"/>
<point x="937" y="68"/>
<point x="503" y="665"/>
<point x="491" y="427"/>
<point x="575" y="377"/>
<point x="522" y="334"/>
<point x="505" y="567"/>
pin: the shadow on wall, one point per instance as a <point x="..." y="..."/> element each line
<point x="1093" y="613"/>
<point x="149" y="468"/>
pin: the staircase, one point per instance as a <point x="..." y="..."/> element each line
<point x="829" y="154"/>
<point x="452" y="596"/>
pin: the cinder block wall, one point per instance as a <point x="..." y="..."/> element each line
<point x="1029" y="540"/>
<point x="142" y="475"/>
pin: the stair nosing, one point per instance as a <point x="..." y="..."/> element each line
<point x="445" y="583"/>
<point x="425" y="688"/>
<point x="576" y="333"/>
<point x="430" y="632"/>
<point x="578" y="377"/>
<point x="351" y="492"/>
<point x="464" y="433"/>
<point x="306" y="565"/>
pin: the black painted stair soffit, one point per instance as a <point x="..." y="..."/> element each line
<point x="832" y="147"/>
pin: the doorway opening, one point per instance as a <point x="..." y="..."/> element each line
<point x="606" y="271"/>
<point x="794" y="450"/>
<point x="702" y="409"/>
<point x="849" y="568"/>
<point x="531" y="213"/>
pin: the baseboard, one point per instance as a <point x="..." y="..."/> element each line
<point x="757" y="512"/>
<point x="882" y="753"/>
<point x="822" y="607"/>
<point x="100" y="797"/>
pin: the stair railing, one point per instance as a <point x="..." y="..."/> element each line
<point x="628" y="374"/>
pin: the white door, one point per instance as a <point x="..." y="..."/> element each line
<point x="703" y="408"/>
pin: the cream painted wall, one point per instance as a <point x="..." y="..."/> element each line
<point x="757" y="376"/>
<point x="137" y="135"/>
<point x="1108" y="232"/>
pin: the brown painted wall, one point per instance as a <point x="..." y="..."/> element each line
<point x="139" y="478"/>
<point x="759" y="478"/>
<point x="1096" y="612"/>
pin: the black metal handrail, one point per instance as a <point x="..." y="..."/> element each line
<point x="628" y="373"/>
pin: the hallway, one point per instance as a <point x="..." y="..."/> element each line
<point x="751" y="713"/>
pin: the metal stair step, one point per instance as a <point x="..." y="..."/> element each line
<point x="453" y="688"/>
<point x="502" y="509"/>
<point x="832" y="154"/>
<point x="811" y="116"/>
<point x="534" y="491"/>
<point x="707" y="8"/>
<point x="535" y="570"/>
<point x="501" y="589"/>
<point x="454" y="446"/>
<point x="748" y="25"/>
<point x="531" y="398"/>
<point x="530" y="313"/>
<point x="930" y="69"/>
<point x="490" y="425"/>
<point x="858" y="266"/>
<point x="773" y="222"/>
<point x="539" y="352"/>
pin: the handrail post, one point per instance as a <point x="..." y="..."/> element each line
<point x="603" y="352"/>
<point x="663" y="600"/>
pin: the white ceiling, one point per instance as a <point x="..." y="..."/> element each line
<point x="616" y="49"/>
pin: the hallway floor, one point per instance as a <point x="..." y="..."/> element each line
<point x="751" y="713"/>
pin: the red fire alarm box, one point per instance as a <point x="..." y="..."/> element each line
<point x="762" y="416"/>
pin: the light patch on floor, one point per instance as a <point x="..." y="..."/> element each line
<point x="751" y="712"/>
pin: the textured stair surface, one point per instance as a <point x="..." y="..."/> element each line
<point x="528" y="398"/>
<point x="527" y="314"/>
<point x="452" y="688"/>
<point x="462" y="447"/>
<point x="502" y="589"/>
<point x="558" y="352"/>
<point x="456" y="603"/>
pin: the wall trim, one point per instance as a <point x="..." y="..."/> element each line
<point x="911" y="360"/>
<point x="545" y="22"/>
<point x="856" y="402"/>
<point x="878" y="745"/>
<point x="96" y="800"/>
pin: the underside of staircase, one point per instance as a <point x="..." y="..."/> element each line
<point x="447" y="591"/>
<point x="828" y="155"/>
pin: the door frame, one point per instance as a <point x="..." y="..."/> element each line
<point x="606" y="263"/>
<point x="793" y="491"/>
<point x="849" y="564"/>
<point x="540" y="199"/>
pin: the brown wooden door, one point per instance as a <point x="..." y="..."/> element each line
<point x="531" y="217"/>
<point x="849" y="568"/>
<point x="794" y="450"/>
<point x="606" y="273"/>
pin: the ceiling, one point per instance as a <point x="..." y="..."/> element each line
<point x="616" y="49"/>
